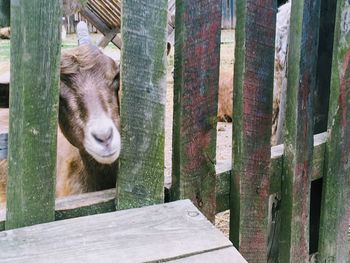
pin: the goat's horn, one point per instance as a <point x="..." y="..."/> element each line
<point x="83" y="33"/>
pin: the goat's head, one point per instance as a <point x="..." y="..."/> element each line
<point x="89" y="106"/>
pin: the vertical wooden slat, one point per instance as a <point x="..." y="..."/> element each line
<point x="197" y="60"/>
<point x="143" y="76"/>
<point x="35" y="57"/>
<point x="324" y="64"/>
<point x="296" y="180"/>
<point x="335" y="213"/>
<point x="252" y="120"/>
<point x="4" y="13"/>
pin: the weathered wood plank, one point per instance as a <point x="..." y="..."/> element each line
<point x="107" y="38"/>
<point x="4" y="13"/>
<point x="297" y="162"/>
<point x="225" y="255"/>
<point x="143" y="78"/>
<point x="335" y="213"/>
<point x="222" y="189"/>
<point x="35" y="57"/>
<point x="78" y="205"/>
<point x="148" y="234"/>
<point x="103" y="201"/>
<point x="99" y="24"/>
<point x="85" y="204"/>
<point x="252" y="121"/>
<point x="223" y="171"/>
<point x="196" y="79"/>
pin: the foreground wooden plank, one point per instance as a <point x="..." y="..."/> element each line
<point x="224" y="255"/>
<point x="197" y="61"/>
<point x="252" y="120"/>
<point x="335" y="212"/>
<point x="143" y="78"/>
<point x="155" y="233"/>
<point x="33" y="115"/>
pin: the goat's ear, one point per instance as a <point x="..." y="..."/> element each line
<point x="69" y="64"/>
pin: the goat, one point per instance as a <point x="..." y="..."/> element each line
<point x="88" y="136"/>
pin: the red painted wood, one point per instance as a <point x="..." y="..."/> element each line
<point x="197" y="61"/>
<point x="296" y="181"/>
<point x="252" y="121"/>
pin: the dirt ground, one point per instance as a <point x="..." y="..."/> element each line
<point x="224" y="138"/>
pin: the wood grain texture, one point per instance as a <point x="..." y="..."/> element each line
<point x="252" y="121"/>
<point x="224" y="172"/>
<point x="103" y="201"/>
<point x="335" y="212"/>
<point x="225" y="255"/>
<point x="4" y="13"/>
<point x="100" y="25"/>
<point x="297" y="163"/>
<point x="143" y="78"/>
<point x="149" y="234"/>
<point x="85" y="204"/>
<point x="196" y="79"/>
<point x="78" y="205"/>
<point x="35" y="58"/>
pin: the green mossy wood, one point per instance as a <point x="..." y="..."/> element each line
<point x="4" y="13"/>
<point x="296" y="180"/>
<point x="253" y="89"/>
<point x="197" y="61"/>
<point x="35" y="58"/>
<point x="335" y="213"/>
<point x="143" y="75"/>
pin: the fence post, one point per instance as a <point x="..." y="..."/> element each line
<point x="252" y="121"/>
<point x="4" y="13"/>
<point x="197" y="61"/>
<point x="143" y="75"/>
<point x="296" y="179"/>
<point x="335" y="212"/>
<point x="35" y="58"/>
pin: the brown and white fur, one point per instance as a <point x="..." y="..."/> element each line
<point x="88" y="136"/>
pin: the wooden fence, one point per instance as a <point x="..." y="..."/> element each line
<point x="264" y="232"/>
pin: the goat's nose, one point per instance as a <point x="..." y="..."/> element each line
<point x="103" y="136"/>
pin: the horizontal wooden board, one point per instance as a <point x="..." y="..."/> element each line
<point x="223" y="170"/>
<point x="85" y="204"/>
<point x="153" y="233"/>
<point x="103" y="201"/>
<point x="224" y="255"/>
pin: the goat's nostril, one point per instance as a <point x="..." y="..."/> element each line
<point x="103" y="137"/>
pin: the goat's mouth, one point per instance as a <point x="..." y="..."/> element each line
<point x="104" y="157"/>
